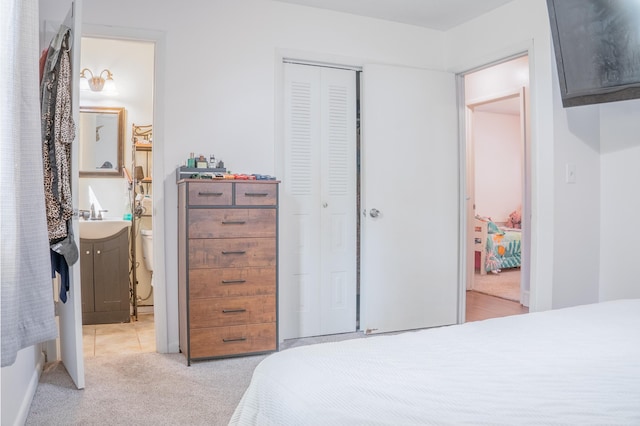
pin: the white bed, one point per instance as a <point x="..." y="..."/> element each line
<point x="569" y="366"/>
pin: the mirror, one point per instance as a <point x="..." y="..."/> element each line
<point x="101" y="141"/>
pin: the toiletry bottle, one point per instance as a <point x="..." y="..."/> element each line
<point x="127" y="203"/>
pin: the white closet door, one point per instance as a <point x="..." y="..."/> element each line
<point x="410" y="176"/>
<point x="318" y="199"/>
<point x="338" y="201"/>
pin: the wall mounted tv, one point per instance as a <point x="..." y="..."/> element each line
<point x="597" y="49"/>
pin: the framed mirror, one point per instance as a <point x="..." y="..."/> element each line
<point x="101" y="149"/>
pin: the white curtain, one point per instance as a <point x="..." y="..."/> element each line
<point x="25" y="263"/>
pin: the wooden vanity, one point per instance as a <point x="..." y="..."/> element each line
<point x="104" y="273"/>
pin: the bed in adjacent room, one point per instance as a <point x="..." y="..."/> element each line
<point x="499" y="246"/>
<point x="578" y="365"/>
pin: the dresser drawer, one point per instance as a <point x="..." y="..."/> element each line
<point x="253" y="194"/>
<point x="232" y="282"/>
<point x="228" y="223"/>
<point x="221" y="341"/>
<point x="210" y="194"/>
<point x="225" y="311"/>
<point x="231" y="252"/>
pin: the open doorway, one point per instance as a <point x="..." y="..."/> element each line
<point x="126" y="196"/>
<point x="497" y="164"/>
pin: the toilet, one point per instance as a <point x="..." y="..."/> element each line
<point x="147" y="248"/>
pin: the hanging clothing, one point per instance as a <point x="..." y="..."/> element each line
<point x="59" y="265"/>
<point x="58" y="132"/>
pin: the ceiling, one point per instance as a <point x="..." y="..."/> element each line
<point x="435" y="14"/>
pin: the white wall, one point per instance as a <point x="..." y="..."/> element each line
<point x="620" y="202"/>
<point x="576" y="233"/>
<point x="498" y="164"/>
<point x="19" y="382"/>
<point x="555" y="280"/>
<point x="221" y="75"/>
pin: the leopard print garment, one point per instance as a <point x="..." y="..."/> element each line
<point x="58" y="134"/>
<point x="64" y="133"/>
<point x="49" y="90"/>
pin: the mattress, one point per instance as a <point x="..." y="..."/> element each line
<point x="578" y="365"/>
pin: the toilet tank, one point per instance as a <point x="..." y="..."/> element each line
<point x="147" y="248"/>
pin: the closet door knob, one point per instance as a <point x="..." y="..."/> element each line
<point x="374" y="212"/>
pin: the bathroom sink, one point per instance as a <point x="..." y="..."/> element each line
<point x="94" y="229"/>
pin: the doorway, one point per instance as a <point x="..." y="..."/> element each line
<point x="127" y="196"/>
<point x="498" y="194"/>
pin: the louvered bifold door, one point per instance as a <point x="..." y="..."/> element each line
<point x="318" y="212"/>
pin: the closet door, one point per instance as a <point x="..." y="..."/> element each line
<point x="318" y="213"/>
<point x="70" y="313"/>
<point x="410" y="196"/>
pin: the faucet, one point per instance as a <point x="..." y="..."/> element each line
<point x="100" y="214"/>
<point x="93" y="212"/>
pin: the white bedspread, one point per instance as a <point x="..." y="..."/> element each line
<point x="570" y="366"/>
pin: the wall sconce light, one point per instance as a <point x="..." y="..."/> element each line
<point x="99" y="83"/>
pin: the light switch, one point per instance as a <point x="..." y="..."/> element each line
<point x="571" y="173"/>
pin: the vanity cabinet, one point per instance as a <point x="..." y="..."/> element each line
<point x="104" y="273"/>
<point x="227" y="267"/>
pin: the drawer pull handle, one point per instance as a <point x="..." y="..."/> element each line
<point x="210" y="194"/>
<point x="234" y="222"/>
<point x="233" y="281"/>
<point x="230" y="311"/>
<point x="234" y="339"/>
<point x="234" y="252"/>
<point x="256" y="194"/>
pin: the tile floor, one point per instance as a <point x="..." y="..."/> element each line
<point x="108" y="339"/>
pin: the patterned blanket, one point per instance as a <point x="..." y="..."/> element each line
<point x="503" y="250"/>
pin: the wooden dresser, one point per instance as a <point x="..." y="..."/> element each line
<point x="227" y="267"/>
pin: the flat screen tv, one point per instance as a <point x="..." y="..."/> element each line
<point x="597" y="49"/>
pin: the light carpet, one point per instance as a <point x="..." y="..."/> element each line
<point x="150" y="389"/>
<point x="143" y="389"/>
<point x="505" y="284"/>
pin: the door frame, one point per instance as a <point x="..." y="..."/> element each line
<point x="471" y="198"/>
<point x="160" y="300"/>
<point x="527" y="208"/>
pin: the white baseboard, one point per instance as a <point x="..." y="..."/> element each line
<point x="525" y="298"/>
<point x="23" y="411"/>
